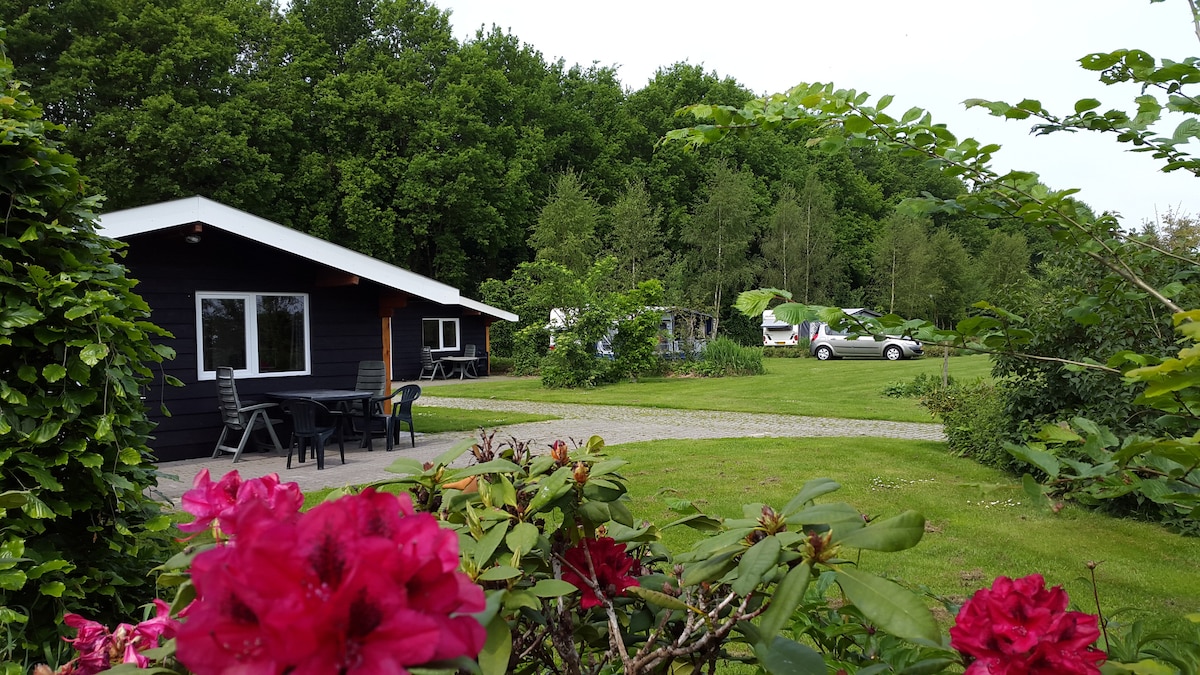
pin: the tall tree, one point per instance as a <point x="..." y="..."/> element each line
<point x="952" y="284"/>
<point x="636" y="238"/>
<point x="720" y="234"/>
<point x="565" y="232"/>
<point x="798" y="244"/>
<point x="1002" y="269"/>
<point x="900" y="266"/>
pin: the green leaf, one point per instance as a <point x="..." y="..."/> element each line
<point x="489" y="543"/>
<point x="1085" y="104"/>
<point x="499" y="573"/>
<point x="811" y="490"/>
<point x="857" y="124"/>
<point x="522" y="538"/>
<point x="788" y="657"/>
<point x="54" y="372"/>
<point x="1045" y="461"/>
<point x="12" y="580"/>
<point x="709" y="569"/>
<point x="12" y="499"/>
<point x="755" y="562"/>
<point x="888" y="605"/>
<point x="130" y="456"/>
<point x="552" y="588"/>
<point x="894" y="534"/>
<point x="497" y="648"/>
<point x="659" y="598"/>
<point x="93" y="354"/>
<point x="788" y="595"/>
<point x="53" y="589"/>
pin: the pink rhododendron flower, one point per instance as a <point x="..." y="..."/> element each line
<point x="219" y="504"/>
<point x="611" y="565"/>
<point x="1020" y="627"/>
<point x="99" y="649"/>
<point x="357" y="585"/>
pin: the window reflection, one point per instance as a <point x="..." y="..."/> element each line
<point x="223" y="332"/>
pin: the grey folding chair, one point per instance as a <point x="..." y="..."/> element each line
<point x="242" y="419"/>
<point x="429" y="367"/>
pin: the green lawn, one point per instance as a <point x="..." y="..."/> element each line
<point x="980" y="524"/>
<point x="431" y="420"/>
<point x="849" y="389"/>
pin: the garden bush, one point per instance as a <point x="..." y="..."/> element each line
<point x="724" y="357"/>
<point x="921" y="385"/>
<point x="798" y="351"/>
<point x="75" y="360"/>
<point x="974" y="421"/>
<point x="501" y="365"/>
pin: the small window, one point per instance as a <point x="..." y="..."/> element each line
<point x="440" y="335"/>
<point x="257" y="334"/>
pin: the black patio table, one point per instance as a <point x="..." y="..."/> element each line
<point x="335" y="396"/>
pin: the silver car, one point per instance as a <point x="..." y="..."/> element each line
<point x="828" y="344"/>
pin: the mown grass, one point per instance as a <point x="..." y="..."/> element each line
<point x="432" y="420"/>
<point x="848" y="389"/>
<point x="980" y="524"/>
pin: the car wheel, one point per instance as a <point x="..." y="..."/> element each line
<point x="893" y="353"/>
<point x="824" y="353"/>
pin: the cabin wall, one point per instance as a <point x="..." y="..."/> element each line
<point x="407" y="337"/>
<point x="344" y="325"/>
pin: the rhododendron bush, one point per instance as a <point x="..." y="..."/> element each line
<point x="524" y="562"/>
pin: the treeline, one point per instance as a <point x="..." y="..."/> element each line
<point x="367" y="123"/>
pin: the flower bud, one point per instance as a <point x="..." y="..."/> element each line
<point x="558" y="451"/>
<point x="581" y="473"/>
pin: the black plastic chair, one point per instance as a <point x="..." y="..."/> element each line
<point x="402" y="414"/>
<point x="244" y="419"/>
<point x="312" y="423"/>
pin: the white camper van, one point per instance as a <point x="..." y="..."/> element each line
<point x="681" y="331"/>
<point x="777" y="333"/>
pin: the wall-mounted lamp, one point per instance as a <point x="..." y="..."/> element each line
<point x="192" y="233"/>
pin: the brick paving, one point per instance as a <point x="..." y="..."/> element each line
<point x="616" y="424"/>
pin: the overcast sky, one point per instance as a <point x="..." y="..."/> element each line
<point x="928" y="53"/>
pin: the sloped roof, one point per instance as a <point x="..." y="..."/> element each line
<point x="122" y="224"/>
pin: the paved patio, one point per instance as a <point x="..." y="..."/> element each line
<point x="616" y="424"/>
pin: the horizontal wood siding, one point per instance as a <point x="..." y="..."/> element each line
<point x="343" y="326"/>
<point x="406" y="335"/>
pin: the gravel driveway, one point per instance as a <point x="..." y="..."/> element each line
<point x="616" y="424"/>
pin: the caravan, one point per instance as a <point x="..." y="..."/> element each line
<point x="681" y="331"/>
<point x="776" y="333"/>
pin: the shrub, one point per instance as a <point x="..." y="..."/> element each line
<point x="723" y="357"/>
<point x="501" y="365"/>
<point x="799" y="351"/>
<point x="75" y="356"/>
<point x="921" y="385"/>
<point x="974" y="421"/>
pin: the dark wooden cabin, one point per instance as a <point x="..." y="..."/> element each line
<point x="287" y="310"/>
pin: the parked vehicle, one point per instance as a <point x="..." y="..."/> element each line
<point x="681" y="331"/>
<point x="827" y="343"/>
<point x="776" y="333"/>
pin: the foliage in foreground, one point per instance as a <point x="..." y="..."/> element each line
<point x="75" y="356"/>
<point x="567" y="581"/>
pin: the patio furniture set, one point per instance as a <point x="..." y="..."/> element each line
<point x="313" y="417"/>
<point x="464" y="366"/>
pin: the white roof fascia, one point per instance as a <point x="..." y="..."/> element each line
<point x="487" y="309"/>
<point x="121" y="224"/>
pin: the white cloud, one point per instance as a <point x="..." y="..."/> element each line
<point x="928" y="53"/>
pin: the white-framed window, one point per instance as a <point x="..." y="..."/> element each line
<point x="257" y="334"/>
<point x="440" y="335"/>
